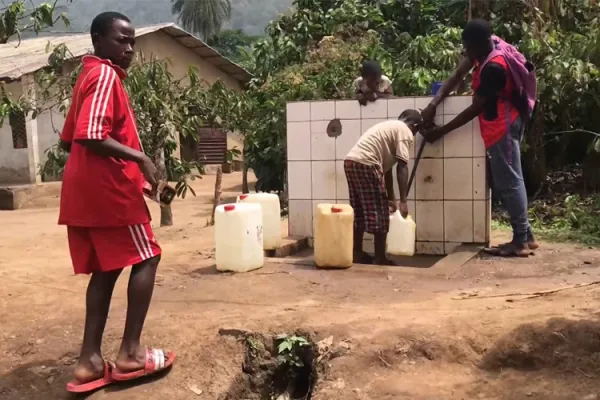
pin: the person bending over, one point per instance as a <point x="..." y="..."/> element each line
<point x="368" y="167"/>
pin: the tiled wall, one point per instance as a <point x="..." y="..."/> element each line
<point x="449" y="199"/>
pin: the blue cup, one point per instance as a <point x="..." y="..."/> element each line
<point x="435" y="87"/>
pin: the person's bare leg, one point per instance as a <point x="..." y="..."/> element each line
<point x="380" y="253"/>
<point x="132" y="355"/>
<point x="99" y="293"/>
<point x="360" y="256"/>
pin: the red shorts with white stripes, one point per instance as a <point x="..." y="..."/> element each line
<point x="109" y="249"/>
<point x="368" y="197"/>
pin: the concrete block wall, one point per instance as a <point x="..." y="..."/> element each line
<point x="449" y="200"/>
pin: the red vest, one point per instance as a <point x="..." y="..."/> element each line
<point x="494" y="130"/>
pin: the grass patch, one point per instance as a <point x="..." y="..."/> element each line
<point x="562" y="218"/>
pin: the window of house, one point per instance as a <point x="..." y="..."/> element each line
<point x="18" y="127"/>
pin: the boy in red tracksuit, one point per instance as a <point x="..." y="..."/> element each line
<point x="102" y="205"/>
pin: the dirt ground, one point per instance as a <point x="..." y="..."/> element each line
<point x="414" y="333"/>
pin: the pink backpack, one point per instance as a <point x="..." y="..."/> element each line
<point x="522" y="73"/>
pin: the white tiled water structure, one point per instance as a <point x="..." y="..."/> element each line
<point x="449" y="200"/>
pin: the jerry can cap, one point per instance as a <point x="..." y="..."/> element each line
<point x="335" y="209"/>
<point x="229" y="207"/>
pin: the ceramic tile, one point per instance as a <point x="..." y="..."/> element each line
<point x="430" y="248"/>
<point x="458" y="179"/>
<point x="369" y="246"/>
<point x="458" y="221"/>
<point x="323" y="180"/>
<point x="350" y="135"/>
<point x="480" y="191"/>
<point x="480" y="221"/>
<point x="296" y="112"/>
<point x="396" y="106"/>
<point x="367" y="124"/>
<point x="377" y="109"/>
<point x="322" y="110"/>
<point x="412" y="210"/>
<point x="299" y="180"/>
<point x="300" y="218"/>
<point x="430" y="215"/>
<point x="458" y="143"/>
<point x="422" y="102"/>
<point x="431" y="150"/>
<point x="322" y="146"/>
<point x="411" y="191"/>
<point x="430" y="179"/>
<point x="478" y="146"/>
<point x="347" y="109"/>
<point x="449" y="247"/>
<point x="369" y="243"/>
<point x="341" y="184"/>
<point x="456" y="104"/>
<point x="298" y="147"/>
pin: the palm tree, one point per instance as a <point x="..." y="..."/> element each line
<point x="202" y="17"/>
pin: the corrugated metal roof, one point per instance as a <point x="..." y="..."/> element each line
<point x="31" y="55"/>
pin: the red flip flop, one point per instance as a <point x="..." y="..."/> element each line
<point x="76" y="387"/>
<point x="156" y="360"/>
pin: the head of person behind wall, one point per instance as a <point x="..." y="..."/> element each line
<point x="371" y="73"/>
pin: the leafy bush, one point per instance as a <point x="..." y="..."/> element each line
<point x="315" y="53"/>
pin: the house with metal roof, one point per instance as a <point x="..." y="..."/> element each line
<point x="24" y="141"/>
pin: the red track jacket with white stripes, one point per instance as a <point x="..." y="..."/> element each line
<point x="101" y="191"/>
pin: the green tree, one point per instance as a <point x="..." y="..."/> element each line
<point x="418" y="42"/>
<point x="18" y="17"/>
<point x="233" y="43"/>
<point x="202" y="17"/>
<point x="162" y="109"/>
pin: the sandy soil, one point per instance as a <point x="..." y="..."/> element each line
<point x="414" y="333"/>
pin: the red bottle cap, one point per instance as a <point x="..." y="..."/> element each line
<point x="229" y="207"/>
<point x="243" y="196"/>
<point x="335" y="209"/>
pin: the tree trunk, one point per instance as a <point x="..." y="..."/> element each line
<point x="166" y="216"/>
<point x="245" y="188"/>
<point x="166" y="213"/>
<point x="217" y="199"/>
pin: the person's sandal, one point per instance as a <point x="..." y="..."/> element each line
<point x="156" y="360"/>
<point x="507" y="250"/>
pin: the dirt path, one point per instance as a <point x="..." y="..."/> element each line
<point x="409" y="336"/>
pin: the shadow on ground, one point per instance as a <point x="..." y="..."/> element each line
<point x="44" y="379"/>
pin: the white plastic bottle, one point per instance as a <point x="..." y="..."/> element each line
<point x="271" y="216"/>
<point x="239" y="237"/>
<point x="401" y="236"/>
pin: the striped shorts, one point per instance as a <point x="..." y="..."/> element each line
<point x="108" y="249"/>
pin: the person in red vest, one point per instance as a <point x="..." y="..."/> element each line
<point x="500" y="114"/>
<point x="103" y="207"/>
